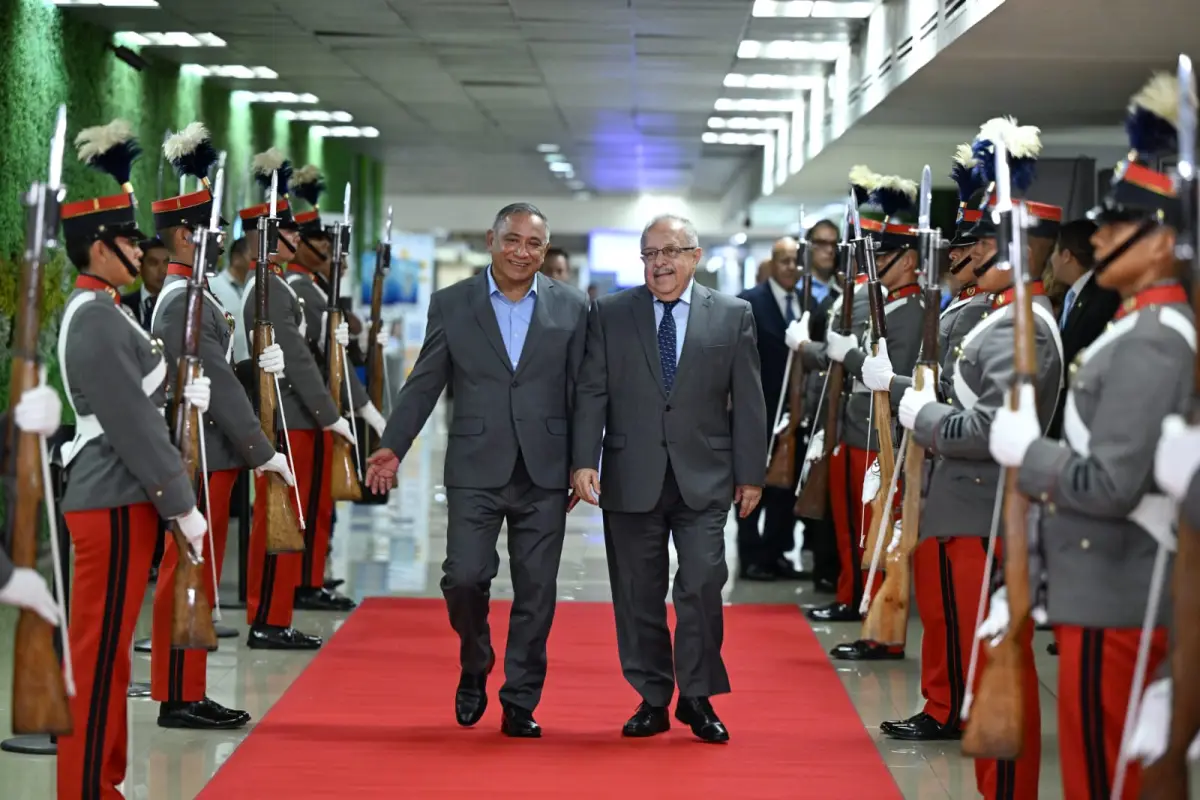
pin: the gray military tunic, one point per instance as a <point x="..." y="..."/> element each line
<point x="307" y="404"/>
<point x="963" y="484"/>
<point x="315" y="302"/>
<point x="814" y="357"/>
<point x="954" y="322"/>
<point x="233" y="438"/>
<point x="1097" y="488"/>
<point x="114" y="375"/>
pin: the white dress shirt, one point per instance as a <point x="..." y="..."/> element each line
<point x="229" y="292"/>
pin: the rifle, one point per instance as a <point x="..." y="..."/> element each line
<point x="191" y="616"/>
<point x="40" y="704"/>
<point x="781" y="469"/>
<point x="996" y="725"/>
<point x="1167" y="778"/>
<point x="813" y="496"/>
<point x="343" y="477"/>
<point x="283" y="528"/>
<point x="376" y="376"/>
<point x="881" y="510"/>
<point x="887" y="620"/>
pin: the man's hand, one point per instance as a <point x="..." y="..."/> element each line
<point x="586" y="483"/>
<point x="747" y="498"/>
<point x="382" y="466"/>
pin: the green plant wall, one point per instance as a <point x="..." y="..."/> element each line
<point x="51" y="57"/>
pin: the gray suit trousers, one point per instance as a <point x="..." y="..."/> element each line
<point x="536" y="520"/>
<point x="638" y="565"/>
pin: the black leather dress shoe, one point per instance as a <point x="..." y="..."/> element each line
<point x="1052" y="648"/>
<point x="784" y="570"/>
<point x="273" y="637"/>
<point x="824" y="586"/>
<point x="697" y="713"/>
<point x="834" y="612"/>
<point x="200" y="715"/>
<point x="864" y="650"/>
<point x="755" y="572"/>
<point x="322" y="599"/>
<point x="648" y="720"/>
<point x="518" y="723"/>
<point x="920" y="728"/>
<point x="470" y="700"/>
<point x="333" y="583"/>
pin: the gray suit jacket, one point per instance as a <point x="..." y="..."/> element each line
<point x="1097" y="487"/>
<point x="712" y="427"/>
<point x="498" y="412"/>
<point x="315" y="303"/>
<point x="963" y="485"/>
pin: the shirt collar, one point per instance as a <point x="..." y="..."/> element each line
<point x="1078" y="285"/>
<point x="494" y="289"/>
<point x="780" y="293"/>
<point x="685" y="298"/>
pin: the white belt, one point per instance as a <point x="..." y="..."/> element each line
<point x="87" y="429"/>
<point x="962" y="390"/>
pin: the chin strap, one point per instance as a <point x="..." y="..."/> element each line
<point x="110" y="241"/>
<point x="304" y="240"/>
<point x="1143" y="230"/>
<point x="899" y="254"/>
<point x="985" y="266"/>
<point x="960" y="266"/>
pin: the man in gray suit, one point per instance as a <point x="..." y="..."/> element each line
<point x="510" y="341"/>
<point x="671" y="382"/>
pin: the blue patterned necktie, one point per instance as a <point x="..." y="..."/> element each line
<point x="790" y="316"/>
<point x="666" y="344"/>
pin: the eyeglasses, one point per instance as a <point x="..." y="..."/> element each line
<point x="671" y="253"/>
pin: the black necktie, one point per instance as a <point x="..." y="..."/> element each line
<point x="666" y="344"/>
<point x="790" y="316"/>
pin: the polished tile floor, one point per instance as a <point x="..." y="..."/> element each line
<point x="396" y="551"/>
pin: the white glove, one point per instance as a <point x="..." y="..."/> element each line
<point x="784" y="421"/>
<point x="342" y="334"/>
<point x="838" y="345"/>
<point x="877" y="372"/>
<point x="193" y="527"/>
<point x="816" y="446"/>
<point x="1177" y="456"/>
<point x="871" y="482"/>
<point x="797" y="332"/>
<point x="271" y="359"/>
<point x="373" y="418"/>
<point x="277" y="463"/>
<point x="342" y="429"/>
<point x="199" y="393"/>
<point x="912" y="402"/>
<point x="27" y="589"/>
<point x="996" y="624"/>
<point x="1013" y="432"/>
<point x="39" y="411"/>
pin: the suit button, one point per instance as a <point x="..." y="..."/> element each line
<point x="668" y="408"/>
<point x="515" y="384"/>
<point x="663" y="443"/>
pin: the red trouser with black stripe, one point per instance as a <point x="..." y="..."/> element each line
<point x="114" y="548"/>
<point x="943" y="670"/>
<point x="1095" y="678"/>
<point x="995" y="780"/>
<point x="272" y="579"/>
<point x="178" y="676"/>
<point x="847" y="468"/>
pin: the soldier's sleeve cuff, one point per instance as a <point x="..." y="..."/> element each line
<point x="256" y="450"/>
<point x="928" y="422"/>
<point x="175" y="497"/>
<point x="854" y="362"/>
<point x="896" y="391"/>
<point x="1039" y="473"/>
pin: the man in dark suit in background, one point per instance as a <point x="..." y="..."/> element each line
<point x="671" y="382"/>
<point x="511" y="340"/>
<point x="1087" y="308"/>
<point x="154" y="271"/>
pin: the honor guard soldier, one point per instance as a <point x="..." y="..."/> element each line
<point x="943" y="674"/>
<point x="964" y="484"/>
<point x="233" y="438"/>
<point x="1104" y="522"/>
<point x="307" y="409"/>
<point x="123" y="471"/>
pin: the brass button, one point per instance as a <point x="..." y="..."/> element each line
<point x="158" y="493"/>
<point x="1051" y="508"/>
<point x="978" y="481"/>
<point x="1085" y="544"/>
<point x="1045" y="496"/>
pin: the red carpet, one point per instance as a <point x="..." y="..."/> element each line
<point x="372" y="717"/>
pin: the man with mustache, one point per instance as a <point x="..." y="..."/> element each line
<point x="510" y="341"/>
<point x="671" y="386"/>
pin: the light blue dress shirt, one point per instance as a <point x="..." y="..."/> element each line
<point x="513" y="318"/>
<point x="680" y="314"/>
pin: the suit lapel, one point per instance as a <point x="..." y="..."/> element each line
<point x="540" y="321"/>
<point x="778" y="325"/>
<point x="697" y="323"/>
<point x="1085" y="294"/>
<point x="643" y="322"/>
<point x="486" y="317"/>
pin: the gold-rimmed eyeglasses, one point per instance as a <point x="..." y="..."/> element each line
<point x="670" y="252"/>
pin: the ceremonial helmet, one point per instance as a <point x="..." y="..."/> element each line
<point x="192" y="154"/>
<point x="971" y="195"/>
<point x="886" y="206"/>
<point x="266" y="164"/>
<point x="308" y="183"/>
<point x="111" y="149"/>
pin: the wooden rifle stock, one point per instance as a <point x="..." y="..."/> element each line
<point x="40" y="704"/>
<point x="881" y="511"/>
<point x="781" y="471"/>
<point x="191" y="617"/>
<point x="343" y="476"/>
<point x="283" y="527"/>
<point x="375" y="374"/>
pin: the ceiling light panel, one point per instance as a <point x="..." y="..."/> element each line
<point x="344" y="132"/>
<point x="793" y="50"/>
<point x="107" y="3"/>
<point x="747" y="123"/>
<point x="172" y="39"/>
<point x="306" y="115"/>
<point x="230" y="71"/>
<point x="818" y="9"/>
<point x="747" y="106"/>
<point x="738" y="80"/>
<point x="274" y="97"/>
<point x="743" y="139"/>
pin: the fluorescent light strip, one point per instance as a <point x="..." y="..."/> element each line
<point x="343" y="132"/>
<point x="547" y="148"/>
<point x="738" y="80"/>
<point x="745" y="139"/>
<point x="107" y="3"/>
<point x="172" y="39"/>
<point x="747" y="123"/>
<point x="818" y="9"/>
<point x="273" y="97"/>
<point x="229" y="71"/>
<point x="315" y="116"/>
<point x="748" y="106"/>
<point x="785" y="50"/>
